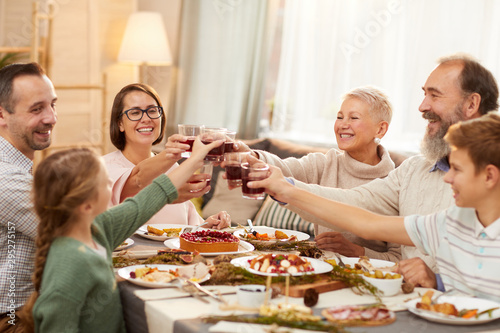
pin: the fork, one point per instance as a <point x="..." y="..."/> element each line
<point x="198" y="226"/>
<point x="250" y="225"/>
<point x="182" y="285"/>
<point x="341" y="263"/>
<point x="446" y="292"/>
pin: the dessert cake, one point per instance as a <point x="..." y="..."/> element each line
<point x="209" y="241"/>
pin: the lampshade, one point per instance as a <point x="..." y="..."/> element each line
<point x="145" y="40"/>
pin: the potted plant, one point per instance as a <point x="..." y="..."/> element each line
<point x="9" y="58"/>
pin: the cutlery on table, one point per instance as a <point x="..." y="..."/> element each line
<point x="205" y="291"/>
<point x="198" y="226"/>
<point x="341" y="263"/>
<point x="447" y="292"/>
<point x="182" y="285"/>
<point x="250" y="227"/>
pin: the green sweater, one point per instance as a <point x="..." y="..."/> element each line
<point x="79" y="291"/>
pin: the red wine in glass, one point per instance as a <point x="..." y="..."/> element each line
<point x="190" y="142"/>
<point x="228" y="147"/>
<point x="252" y="193"/>
<point x="233" y="171"/>
<point x="216" y="154"/>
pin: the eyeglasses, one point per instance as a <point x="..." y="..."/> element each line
<point x="136" y="114"/>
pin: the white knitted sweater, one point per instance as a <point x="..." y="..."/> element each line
<point x="337" y="169"/>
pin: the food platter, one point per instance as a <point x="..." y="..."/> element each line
<point x="301" y="236"/>
<point x="243" y="247"/>
<point x="460" y="302"/>
<point x="377" y="263"/>
<point x="125" y="273"/>
<point x="319" y="266"/>
<point x="126" y="243"/>
<point x="143" y="231"/>
<point x="359" y="315"/>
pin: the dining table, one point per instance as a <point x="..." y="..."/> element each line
<point x="167" y="310"/>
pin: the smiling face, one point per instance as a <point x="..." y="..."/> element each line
<point x="29" y="127"/>
<point x="464" y="180"/>
<point x="355" y="129"/>
<point x="443" y="105"/>
<point x="145" y="131"/>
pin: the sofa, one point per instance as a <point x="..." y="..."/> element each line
<point x="267" y="211"/>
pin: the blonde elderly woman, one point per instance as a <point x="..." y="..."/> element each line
<point x="363" y="119"/>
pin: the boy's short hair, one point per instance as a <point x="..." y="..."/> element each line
<point x="480" y="137"/>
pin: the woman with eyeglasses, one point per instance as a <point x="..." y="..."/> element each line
<point x="137" y="123"/>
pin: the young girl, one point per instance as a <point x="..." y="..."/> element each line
<point x="75" y="287"/>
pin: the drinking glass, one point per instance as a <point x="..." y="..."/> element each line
<point x="233" y="167"/>
<point x="206" y="170"/>
<point x="191" y="131"/>
<point x="230" y="138"/>
<point x="210" y="134"/>
<point x="257" y="171"/>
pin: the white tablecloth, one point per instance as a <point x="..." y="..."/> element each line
<point x="161" y="314"/>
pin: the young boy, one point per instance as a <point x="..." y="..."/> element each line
<point x="464" y="239"/>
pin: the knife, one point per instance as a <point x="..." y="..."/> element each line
<point x="205" y="291"/>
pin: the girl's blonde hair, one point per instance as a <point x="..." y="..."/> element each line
<point x="62" y="182"/>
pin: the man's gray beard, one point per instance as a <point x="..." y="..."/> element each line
<point x="434" y="147"/>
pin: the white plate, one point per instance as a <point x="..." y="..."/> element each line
<point x="143" y="231"/>
<point x="243" y="247"/>
<point x="240" y="233"/>
<point x="319" y="266"/>
<point x="125" y="273"/>
<point x="128" y="242"/>
<point x="460" y="302"/>
<point x="377" y="263"/>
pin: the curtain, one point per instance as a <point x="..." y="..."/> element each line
<point x="332" y="46"/>
<point x="222" y="63"/>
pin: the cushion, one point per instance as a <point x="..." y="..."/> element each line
<point x="284" y="149"/>
<point x="272" y="214"/>
<point x="232" y="201"/>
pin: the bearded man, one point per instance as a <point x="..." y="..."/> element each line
<point x="459" y="88"/>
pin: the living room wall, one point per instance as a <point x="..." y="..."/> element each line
<point x="85" y="41"/>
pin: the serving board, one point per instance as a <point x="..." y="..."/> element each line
<point x="319" y="286"/>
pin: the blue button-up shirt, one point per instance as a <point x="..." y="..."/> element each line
<point x="442" y="165"/>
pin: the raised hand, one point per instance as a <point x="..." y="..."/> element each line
<point x="174" y="146"/>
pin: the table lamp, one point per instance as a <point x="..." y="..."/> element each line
<point x="145" y="42"/>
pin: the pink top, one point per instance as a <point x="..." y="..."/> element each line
<point x="119" y="169"/>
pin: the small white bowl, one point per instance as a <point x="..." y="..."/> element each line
<point x="388" y="287"/>
<point x="251" y="295"/>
